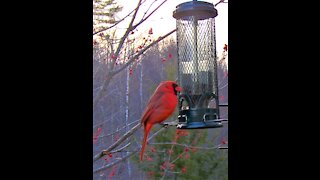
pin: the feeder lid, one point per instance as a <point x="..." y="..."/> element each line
<point x="201" y="10"/>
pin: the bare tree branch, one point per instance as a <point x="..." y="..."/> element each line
<point x="123" y="138"/>
<point x="149" y="14"/>
<point x="114" y="23"/>
<point x="130" y="28"/>
<point x="118" y="20"/>
<point x="117" y="143"/>
<point x="120" y="149"/>
<point x="116" y="162"/>
<point x="119" y="129"/>
<point x="141" y="52"/>
<point x="111" y="73"/>
<point x="223" y="147"/>
<point x="221" y="1"/>
<point x="226" y="85"/>
<point x="186" y="145"/>
<point x="145" y="13"/>
<point x="127" y="156"/>
<point x="102" y="90"/>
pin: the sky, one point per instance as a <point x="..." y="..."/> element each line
<point x="162" y="21"/>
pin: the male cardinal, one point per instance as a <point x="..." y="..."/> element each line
<point x="160" y="106"/>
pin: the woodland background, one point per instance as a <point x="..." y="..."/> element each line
<point x="127" y="67"/>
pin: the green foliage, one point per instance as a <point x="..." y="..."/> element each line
<point x="186" y="162"/>
<point x="104" y="12"/>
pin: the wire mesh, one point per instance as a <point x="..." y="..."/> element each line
<point x="196" y="54"/>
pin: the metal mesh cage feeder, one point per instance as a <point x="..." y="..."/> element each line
<point x="197" y="66"/>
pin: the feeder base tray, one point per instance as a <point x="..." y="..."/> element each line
<point x="200" y="125"/>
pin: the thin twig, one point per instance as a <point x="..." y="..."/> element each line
<point x="221" y="1"/>
<point x="185" y="145"/>
<point x="149" y="14"/>
<point x="226" y="85"/>
<point x="118" y="129"/>
<point x="115" y="163"/>
<point x="223" y="147"/>
<point x="145" y="13"/>
<point x="117" y="143"/>
<point x="120" y="149"/>
<point x="127" y="156"/>
<point x="141" y="52"/>
<point x="117" y="21"/>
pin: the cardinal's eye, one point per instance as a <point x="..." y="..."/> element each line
<point x="174" y="86"/>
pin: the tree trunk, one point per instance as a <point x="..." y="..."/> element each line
<point x="127" y="115"/>
<point x="103" y="90"/>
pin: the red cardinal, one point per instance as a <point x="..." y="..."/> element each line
<point x="160" y="106"/>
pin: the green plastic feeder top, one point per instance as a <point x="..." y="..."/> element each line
<point x="201" y="10"/>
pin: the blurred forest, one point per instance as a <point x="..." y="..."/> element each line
<point x="172" y="153"/>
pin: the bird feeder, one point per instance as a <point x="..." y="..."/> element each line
<point x="197" y="65"/>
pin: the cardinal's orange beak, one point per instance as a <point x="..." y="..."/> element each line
<point x="178" y="88"/>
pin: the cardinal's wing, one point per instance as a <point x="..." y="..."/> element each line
<point x="154" y="103"/>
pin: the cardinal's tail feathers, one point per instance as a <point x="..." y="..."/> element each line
<point x="145" y="137"/>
